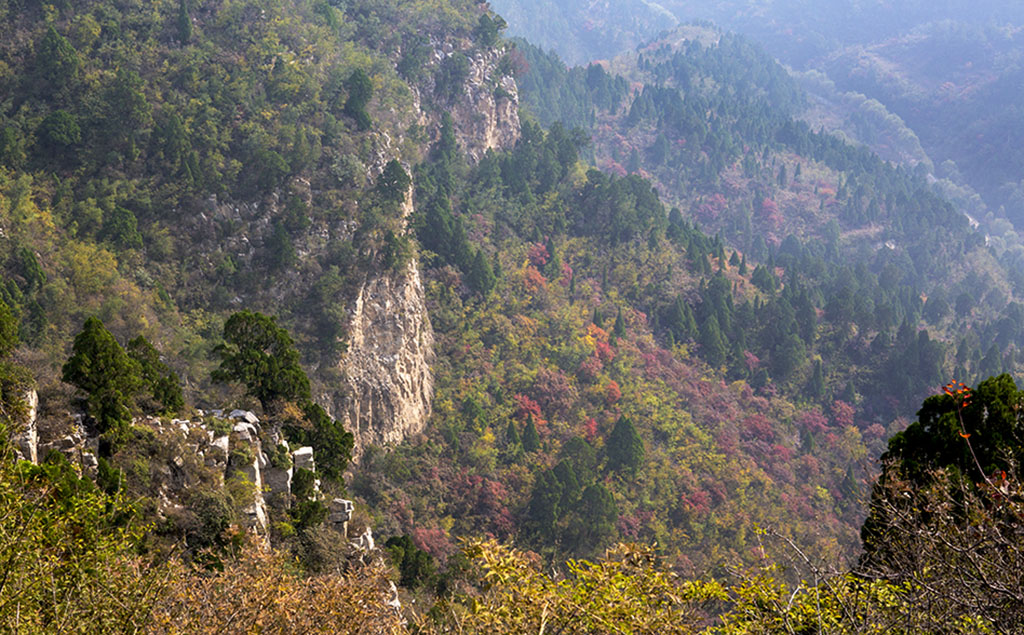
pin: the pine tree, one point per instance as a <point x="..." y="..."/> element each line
<point x="512" y="435"/>
<point x="394" y="182"/>
<point x="101" y="369"/>
<point x="8" y="331"/>
<point x="480" y="277"/>
<point x="184" y="23"/>
<point x="531" y="440"/>
<point x="260" y="354"/>
<point x="620" y="325"/>
<point x="816" y="387"/>
<point x="58" y="62"/>
<point x="360" y="90"/>
<point x="624" y="447"/>
<point x="157" y="377"/>
<point x="711" y="342"/>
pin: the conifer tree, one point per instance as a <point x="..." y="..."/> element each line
<point x="57" y="61"/>
<point x="512" y="435"/>
<point x="624" y="447"/>
<point x="108" y="377"/>
<point x="711" y="342"/>
<point x="619" y="329"/>
<point x="8" y="330"/>
<point x="816" y="387"/>
<point x="531" y="440"/>
<point x="480" y="277"/>
<point x="184" y="22"/>
<point x="360" y="90"/>
<point x="261" y="355"/>
<point x="157" y="377"/>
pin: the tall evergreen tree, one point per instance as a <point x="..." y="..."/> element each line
<point x="531" y="440"/>
<point x="261" y="355"/>
<point x="711" y="342"/>
<point x="624" y="447"/>
<point x="360" y="90"/>
<point x="157" y="377"/>
<point x="108" y="377"/>
<point x="480" y="277"/>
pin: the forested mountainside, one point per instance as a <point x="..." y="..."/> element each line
<point x="581" y="32"/>
<point x="168" y="163"/>
<point x="790" y="345"/>
<point x="707" y="117"/>
<point x="958" y="87"/>
<point x="245" y="243"/>
<point x="915" y="82"/>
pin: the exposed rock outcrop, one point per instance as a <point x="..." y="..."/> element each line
<point x="486" y="111"/>
<point x="26" y="441"/>
<point x="391" y="343"/>
<point x="387" y="367"/>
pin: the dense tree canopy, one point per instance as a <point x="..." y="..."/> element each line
<point x="261" y="355"/>
<point x="108" y="377"/>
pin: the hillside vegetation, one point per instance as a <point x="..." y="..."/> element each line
<point x="670" y="329"/>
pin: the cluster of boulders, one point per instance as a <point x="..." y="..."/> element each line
<point x="223" y="441"/>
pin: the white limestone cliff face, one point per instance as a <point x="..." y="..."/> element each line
<point x="26" y="441"/>
<point x="390" y="350"/>
<point x="387" y="367"/>
<point x="486" y="112"/>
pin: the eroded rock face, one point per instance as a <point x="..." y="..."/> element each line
<point x="387" y="366"/>
<point x="486" y="112"/>
<point x="26" y="442"/>
<point x="391" y="343"/>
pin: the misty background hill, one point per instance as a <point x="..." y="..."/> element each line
<point x="949" y="71"/>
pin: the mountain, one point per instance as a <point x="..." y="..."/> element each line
<point x="278" y="277"/>
<point x="943" y="76"/>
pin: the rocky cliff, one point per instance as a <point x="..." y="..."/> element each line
<point x="486" y="111"/>
<point x="387" y="366"/>
<point x="390" y="342"/>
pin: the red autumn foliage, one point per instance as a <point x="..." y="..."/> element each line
<point x="590" y="368"/>
<point x="555" y="393"/>
<point x="751" y="361"/>
<point x="698" y="502"/>
<point x="434" y="541"/>
<point x="605" y="352"/>
<point x="812" y="420"/>
<point x="520" y="67"/>
<point x="528" y="408"/>
<point x="590" y="429"/>
<point x="770" y="212"/>
<point x="567" y="274"/>
<point x="875" y="430"/>
<point x="612" y="393"/>
<point x="534" y="280"/>
<point x="629" y="526"/>
<point x="842" y="413"/>
<point x="757" y="426"/>
<point x="538" y="255"/>
<point x="711" y="207"/>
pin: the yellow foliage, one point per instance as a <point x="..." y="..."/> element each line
<point x="260" y="593"/>
<point x="92" y="268"/>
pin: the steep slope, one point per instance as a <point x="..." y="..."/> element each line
<point x="608" y="370"/>
<point x="948" y="71"/>
<point x="165" y="165"/>
<point x="713" y="127"/>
